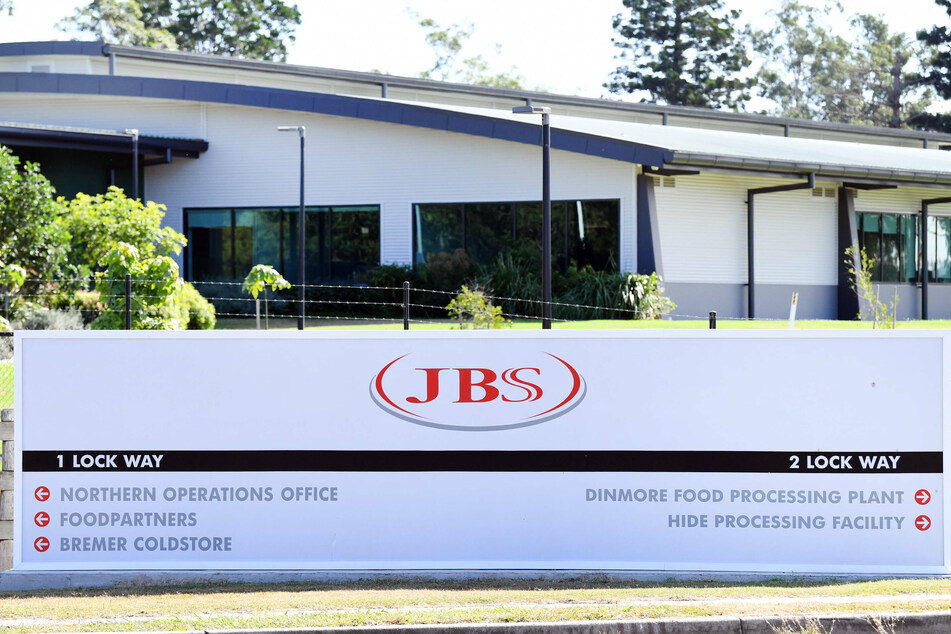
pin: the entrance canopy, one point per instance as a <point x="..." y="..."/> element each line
<point x="29" y="135"/>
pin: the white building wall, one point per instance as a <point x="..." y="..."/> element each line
<point x="703" y="236"/>
<point x="350" y="161"/>
<point x="904" y="200"/>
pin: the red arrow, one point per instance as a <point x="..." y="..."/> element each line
<point x="922" y="496"/>
<point x="41" y="519"/>
<point x="42" y="494"/>
<point x="922" y="522"/>
<point x="41" y="544"/>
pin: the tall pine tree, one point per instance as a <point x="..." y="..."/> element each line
<point x="937" y="73"/>
<point x="681" y="52"/>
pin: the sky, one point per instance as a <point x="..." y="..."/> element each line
<point x="561" y="46"/>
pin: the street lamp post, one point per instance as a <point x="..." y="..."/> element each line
<point x="546" y="207"/>
<point x="302" y="131"/>
<point x="134" y="134"/>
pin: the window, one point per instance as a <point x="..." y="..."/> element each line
<point x="939" y="249"/>
<point x="585" y="232"/>
<point x="891" y="242"/>
<point x="342" y="242"/>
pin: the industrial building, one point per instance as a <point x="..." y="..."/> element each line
<point x="736" y="211"/>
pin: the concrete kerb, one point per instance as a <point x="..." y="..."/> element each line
<point x="27" y="580"/>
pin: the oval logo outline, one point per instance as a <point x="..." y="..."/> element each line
<point x="577" y="394"/>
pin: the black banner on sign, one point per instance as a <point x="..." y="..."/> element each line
<point x="486" y="461"/>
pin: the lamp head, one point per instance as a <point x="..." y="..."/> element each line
<point x="293" y="128"/>
<point x="531" y="110"/>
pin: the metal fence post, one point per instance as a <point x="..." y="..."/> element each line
<point x="6" y="302"/>
<point x="713" y="320"/>
<point x="405" y="305"/>
<point x="128" y="301"/>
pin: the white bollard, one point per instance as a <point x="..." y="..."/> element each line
<point x="792" y="311"/>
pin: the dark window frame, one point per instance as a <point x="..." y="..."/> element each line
<point x="282" y="211"/>
<point x="556" y="204"/>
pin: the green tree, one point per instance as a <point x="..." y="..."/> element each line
<point x="936" y="72"/>
<point x="803" y="61"/>
<point x="259" y="278"/>
<point x="117" y="22"/>
<point x="98" y="223"/>
<point x="154" y="281"/>
<point x="257" y="29"/>
<point x="30" y="235"/>
<point x="811" y="72"/>
<point x="887" y="66"/>
<point x="447" y="44"/>
<point x="681" y="52"/>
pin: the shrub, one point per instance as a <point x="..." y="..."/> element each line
<point x="644" y="294"/>
<point x="188" y="310"/>
<point x="515" y="281"/>
<point x="154" y="280"/>
<point x="30" y="234"/>
<point x="591" y="295"/>
<point x="34" y="317"/>
<point x="448" y="271"/>
<point x="473" y="310"/>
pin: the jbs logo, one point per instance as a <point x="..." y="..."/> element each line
<point x="478" y="397"/>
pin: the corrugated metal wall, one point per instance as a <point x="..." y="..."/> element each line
<point x="702" y="222"/>
<point x="904" y="200"/>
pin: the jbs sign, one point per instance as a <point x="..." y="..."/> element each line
<point x="477" y="398"/>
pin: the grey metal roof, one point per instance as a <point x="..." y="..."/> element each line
<point x="700" y="148"/>
<point x="100" y="48"/>
<point x="35" y="135"/>
<point x="485" y="123"/>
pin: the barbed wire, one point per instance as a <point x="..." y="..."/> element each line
<point x="284" y="299"/>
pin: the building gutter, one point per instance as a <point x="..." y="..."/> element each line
<point x="830" y="172"/>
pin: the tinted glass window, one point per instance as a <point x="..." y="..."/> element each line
<point x="342" y="243"/>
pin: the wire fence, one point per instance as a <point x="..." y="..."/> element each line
<point x="327" y="302"/>
<point x="322" y="303"/>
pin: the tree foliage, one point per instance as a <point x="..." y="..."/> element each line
<point x="259" y="278"/>
<point x="811" y="72"/>
<point x="937" y="71"/>
<point x="258" y="29"/>
<point x="887" y="66"/>
<point x="96" y="224"/>
<point x="447" y="44"/>
<point x="30" y="235"/>
<point x="154" y="280"/>
<point x="117" y="22"/>
<point x="680" y="52"/>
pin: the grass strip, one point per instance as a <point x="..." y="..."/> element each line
<point x="233" y="606"/>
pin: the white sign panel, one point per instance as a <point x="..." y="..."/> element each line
<point x="648" y="450"/>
